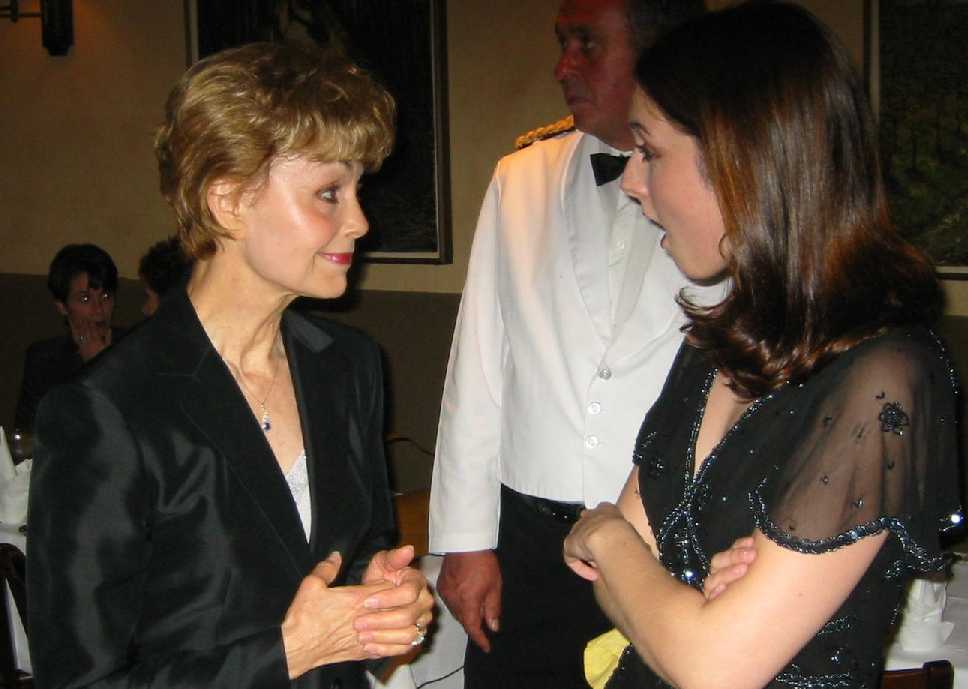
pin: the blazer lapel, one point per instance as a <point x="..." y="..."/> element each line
<point x="212" y="401"/>
<point x="322" y="383"/>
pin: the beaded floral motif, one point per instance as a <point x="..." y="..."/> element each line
<point x="893" y="418"/>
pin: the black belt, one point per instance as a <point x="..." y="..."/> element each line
<point x="564" y="512"/>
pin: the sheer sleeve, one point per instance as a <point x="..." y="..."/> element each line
<point x="875" y="449"/>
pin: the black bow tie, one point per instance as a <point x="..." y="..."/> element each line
<point x="607" y="167"/>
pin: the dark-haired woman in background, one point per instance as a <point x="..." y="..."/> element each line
<point x="812" y="408"/>
<point x="209" y="502"/>
<point x="83" y="281"/>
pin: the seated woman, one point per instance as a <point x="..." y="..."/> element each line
<point x="83" y="281"/>
<point x="812" y="407"/>
<point x="162" y="267"/>
<point x="209" y="502"/>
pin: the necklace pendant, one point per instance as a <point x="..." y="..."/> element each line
<point x="266" y="421"/>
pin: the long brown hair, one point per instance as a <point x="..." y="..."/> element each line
<point x="789" y="145"/>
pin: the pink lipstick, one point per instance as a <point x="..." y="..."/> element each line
<point x="344" y="259"/>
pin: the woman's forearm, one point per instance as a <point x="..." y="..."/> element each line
<point x="639" y="596"/>
<point x="693" y="642"/>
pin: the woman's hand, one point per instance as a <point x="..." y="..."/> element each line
<point x="729" y="566"/>
<point x="91" y="338"/>
<point x="596" y="528"/>
<point x="318" y="626"/>
<point x="400" y="614"/>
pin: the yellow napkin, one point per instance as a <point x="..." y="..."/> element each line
<point x="601" y="657"/>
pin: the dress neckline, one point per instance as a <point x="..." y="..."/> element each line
<point x="694" y="472"/>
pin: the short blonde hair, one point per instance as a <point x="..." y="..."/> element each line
<point x="232" y="114"/>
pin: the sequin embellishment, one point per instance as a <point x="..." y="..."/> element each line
<point x="893" y="418"/>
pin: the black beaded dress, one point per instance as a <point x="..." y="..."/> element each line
<point x="867" y="443"/>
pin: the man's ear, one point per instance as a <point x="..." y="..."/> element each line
<point x="224" y="199"/>
<point x="61" y="307"/>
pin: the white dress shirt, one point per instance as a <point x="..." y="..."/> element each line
<point x="563" y="341"/>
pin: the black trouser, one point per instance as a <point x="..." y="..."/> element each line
<point x="548" y="613"/>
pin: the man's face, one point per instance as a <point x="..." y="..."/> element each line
<point x="596" y="66"/>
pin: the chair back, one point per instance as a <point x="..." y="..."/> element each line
<point x="936" y="674"/>
<point x="412" y="510"/>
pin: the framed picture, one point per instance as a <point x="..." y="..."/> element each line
<point x="917" y="70"/>
<point x="403" y="43"/>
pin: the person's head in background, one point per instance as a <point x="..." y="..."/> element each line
<point x="162" y="267"/>
<point x="600" y="41"/>
<point x="83" y="281"/>
<point x="760" y="162"/>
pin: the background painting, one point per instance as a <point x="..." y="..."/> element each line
<point x="402" y="42"/>
<point x="919" y="80"/>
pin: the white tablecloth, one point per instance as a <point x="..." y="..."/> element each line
<point x="11" y="534"/>
<point x="955" y="649"/>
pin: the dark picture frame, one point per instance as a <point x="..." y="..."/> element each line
<point x="403" y="42"/>
<point x="917" y="74"/>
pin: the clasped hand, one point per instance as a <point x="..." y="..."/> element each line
<point x="603" y="527"/>
<point x="90" y="337"/>
<point x="596" y="530"/>
<point x="382" y="616"/>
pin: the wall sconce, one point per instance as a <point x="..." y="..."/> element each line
<point x="56" y="20"/>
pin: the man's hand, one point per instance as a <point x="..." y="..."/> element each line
<point x="470" y="584"/>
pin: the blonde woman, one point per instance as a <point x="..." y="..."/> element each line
<point x="209" y="504"/>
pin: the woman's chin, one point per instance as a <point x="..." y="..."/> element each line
<point x="333" y="287"/>
<point x="701" y="275"/>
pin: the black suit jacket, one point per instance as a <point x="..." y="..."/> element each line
<point x="164" y="545"/>
<point x="48" y="363"/>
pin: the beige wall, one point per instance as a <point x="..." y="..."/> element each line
<point x="76" y="149"/>
<point x="76" y="144"/>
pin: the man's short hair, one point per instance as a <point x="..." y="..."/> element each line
<point x="74" y="259"/>
<point x="163" y="265"/>
<point x="649" y="19"/>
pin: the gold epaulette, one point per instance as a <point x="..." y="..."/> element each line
<point x="546" y="132"/>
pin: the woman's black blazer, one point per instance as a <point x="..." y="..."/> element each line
<point x="164" y="545"/>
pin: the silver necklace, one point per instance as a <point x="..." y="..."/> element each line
<point x="266" y="420"/>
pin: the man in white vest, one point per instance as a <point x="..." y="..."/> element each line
<point x="567" y="328"/>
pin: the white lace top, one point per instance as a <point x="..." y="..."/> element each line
<point x="298" y="480"/>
